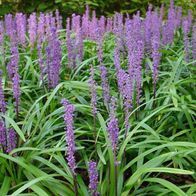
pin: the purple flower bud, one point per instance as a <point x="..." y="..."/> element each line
<point x="12" y="140"/>
<point x="93" y="178"/>
<point x="2" y="98"/>
<point x="68" y="119"/>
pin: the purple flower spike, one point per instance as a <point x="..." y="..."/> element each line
<point x="12" y="140"/>
<point x="2" y="98"/>
<point x="53" y="59"/>
<point x="112" y="126"/>
<point x="32" y="28"/>
<point x="93" y="178"/>
<point x="68" y="119"/>
<point x="21" y="27"/>
<point x="9" y="25"/>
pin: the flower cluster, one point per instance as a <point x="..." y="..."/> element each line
<point x="93" y="178"/>
<point x="68" y="118"/>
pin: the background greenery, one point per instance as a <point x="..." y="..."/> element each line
<point x="67" y="7"/>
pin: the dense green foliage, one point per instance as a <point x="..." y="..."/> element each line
<point x="67" y="7"/>
<point x="161" y="138"/>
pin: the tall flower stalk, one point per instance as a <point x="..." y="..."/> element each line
<point x="113" y="131"/>
<point x="68" y="119"/>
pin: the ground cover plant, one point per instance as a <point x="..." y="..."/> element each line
<point x="105" y="106"/>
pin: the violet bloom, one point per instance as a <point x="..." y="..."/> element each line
<point x="3" y="140"/>
<point x="12" y="140"/>
<point x="135" y="46"/>
<point x="41" y="28"/>
<point x="54" y="56"/>
<point x="32" y="28"/>
<point x="119" y="30"/>
<point x="93" y="178"/>
<point x="105" y="84"/>
<point x="85" y="23"/>
<point x="2" y="98"/>
<point x="9" y="25"/>
<point x="21" y="27"/>
<point x="112" y="126"/>
<point x="68" y="119"/>
<point x="77" y="49"/>
<point x="147" y="29"/>
<point x="92" y="85"/>
<point x="169" y="27"/>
